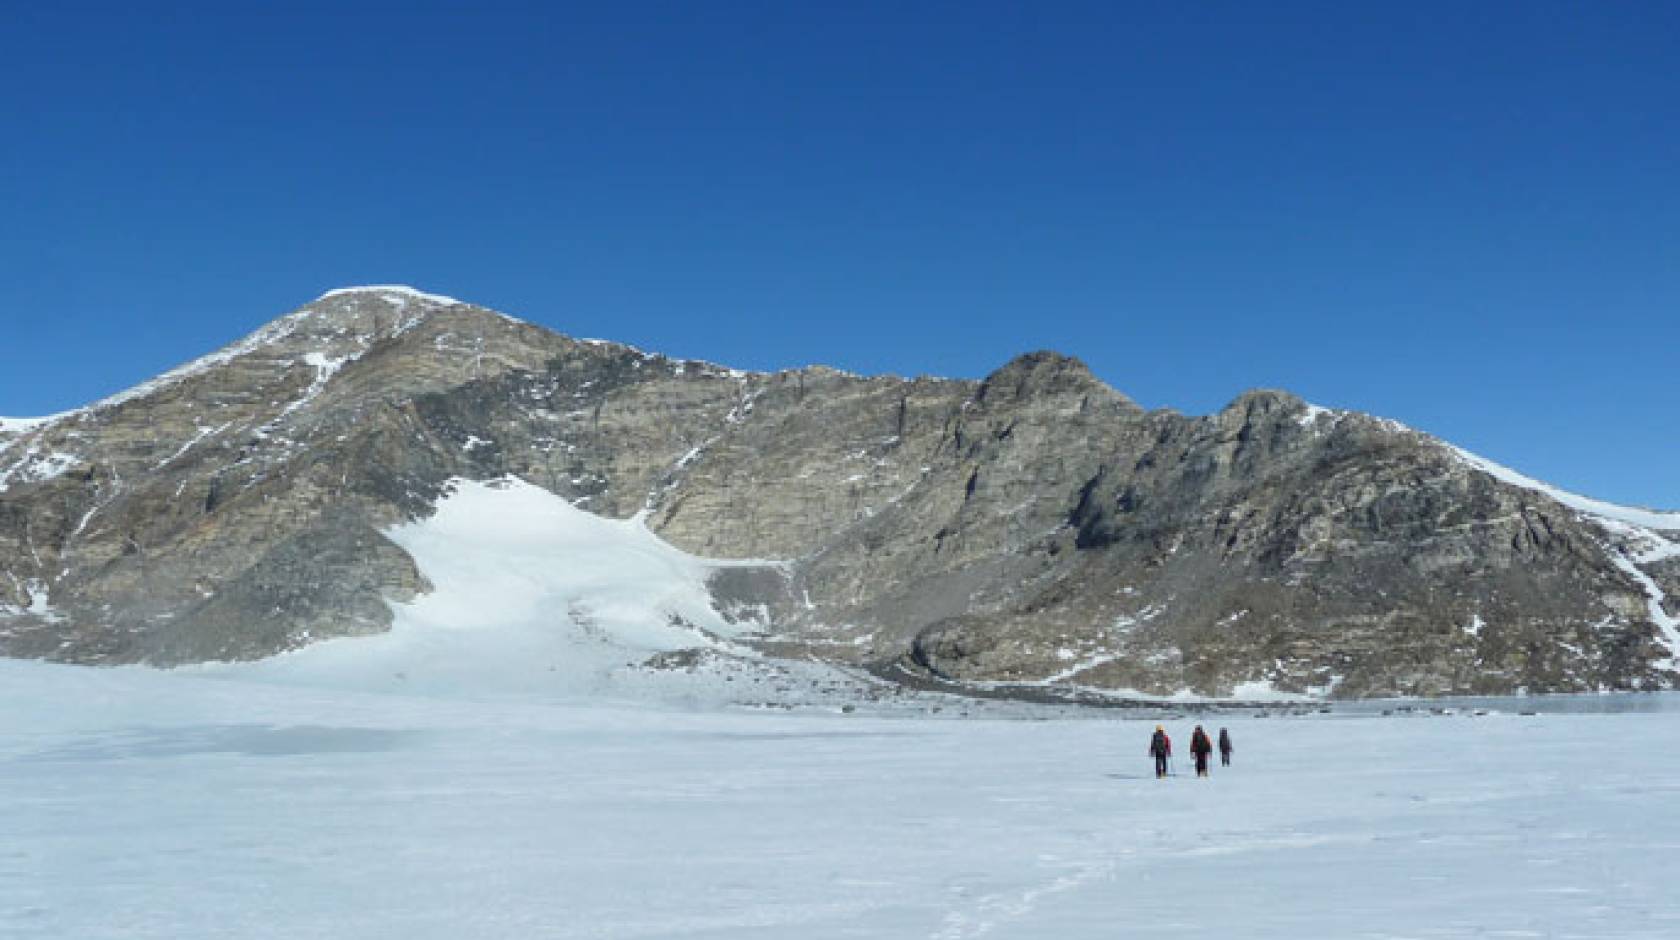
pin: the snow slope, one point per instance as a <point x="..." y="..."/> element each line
<point x="164" y="805"/>
<point x="1631" y="515"/>
<point x="528" y="593"/>
<point x="531" y="595"/>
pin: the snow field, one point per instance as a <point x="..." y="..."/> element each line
<point x="528" y="594"/>
<point x="144" y="804"/>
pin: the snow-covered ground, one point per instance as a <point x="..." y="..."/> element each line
<point x="184" y="805"/>
<point x="502" y="764"/>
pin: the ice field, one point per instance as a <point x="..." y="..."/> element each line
<point x="182" y="805"/>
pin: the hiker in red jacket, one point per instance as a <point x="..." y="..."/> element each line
<point x="1160" y="748"/>
<point x="1201" y="746"/>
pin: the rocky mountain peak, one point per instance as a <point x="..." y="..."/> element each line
<point x="1267" y="406"/>
<point x="1045" y="374"/>
<point x="357" y="316"/>
<point x="1258" y="402"/>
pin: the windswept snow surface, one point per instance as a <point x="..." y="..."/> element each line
<point x="142" y="804"/>
<point x="528" y="593"/>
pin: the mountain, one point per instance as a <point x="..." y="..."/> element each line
<point x="1032" y="531"/>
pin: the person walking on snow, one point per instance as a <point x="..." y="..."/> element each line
<point x="1160" y="748"/>
<point x="1225" y="748"/>
<point x="1201" y="747"/>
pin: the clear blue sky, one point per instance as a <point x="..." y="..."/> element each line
<point x="1463" y="216"/>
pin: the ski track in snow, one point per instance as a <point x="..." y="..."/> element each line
<point x="146" y="804"/>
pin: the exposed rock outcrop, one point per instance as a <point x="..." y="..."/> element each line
<point x="1033" y="527"/>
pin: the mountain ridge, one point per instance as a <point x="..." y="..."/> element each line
<point x="1650" y="516"/>
<point x="957" y="528"/>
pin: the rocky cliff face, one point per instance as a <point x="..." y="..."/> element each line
<point x="1035" y="528"/>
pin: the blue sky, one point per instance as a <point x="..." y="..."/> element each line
<point x="1462" y="216"/>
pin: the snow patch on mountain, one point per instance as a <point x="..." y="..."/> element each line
<point x="1632" y="515"/>
<point x="325" y="368"/>
<point x="400" y="295"/>
<point x="399" y="291"/>
<point x="1310" y="417"/>
<point x="40" y="604"/>
<point x="1655" y="600"/>
<point x="204" y="432"/>
<point x="528" y="592"/>
<point x="37" y="466"/>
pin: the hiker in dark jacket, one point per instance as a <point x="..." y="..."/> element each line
<point x="1225" y="748"/>
<point x="1201" y="747"/>
<point x="1160" y="748"/>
